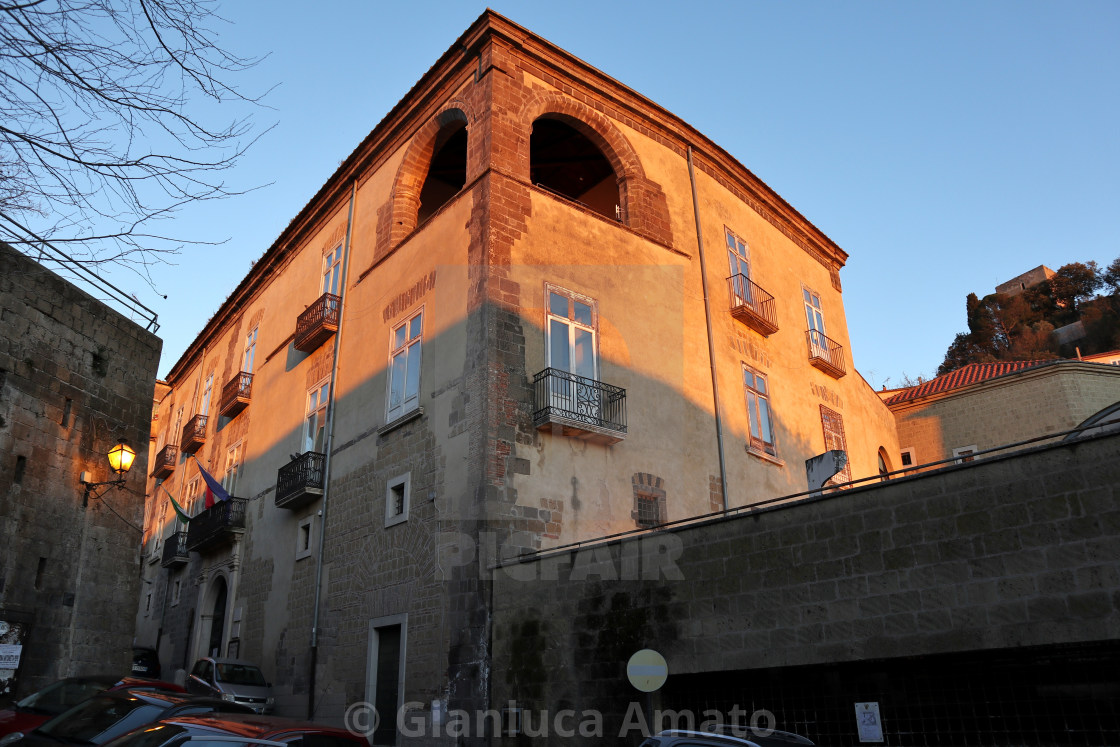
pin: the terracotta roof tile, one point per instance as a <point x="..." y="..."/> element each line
<point x="973" y="373"/>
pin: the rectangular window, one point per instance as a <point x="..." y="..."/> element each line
<point x="738" y="258"/>
<point x="964" y="453"/>
<point x="572" y="350"/>
<point x="649" y="510"/>
<point x="332" y="271"/>
<point x="176" y="592"/>
<point x="833" y="426"/>
<point x="814" y="316"/>
<point x="397" y="499"/>
<point x="404" y="367"/>
<point x="908" y="459"/>
<point x="385" y="674"/>
<point x="206" y="392"/>
<point x="316" y="422"/>
<point x="305" y="537"/>
<point x="193" y="503"/>
<point x="250" y="351"/>
<point x="758" y="411"/>
<point x="233" y="470"/>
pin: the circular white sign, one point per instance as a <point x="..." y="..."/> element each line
<point x="647" y="670"/>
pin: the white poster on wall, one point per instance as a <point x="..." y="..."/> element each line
<point x="9" y="655"/>
<point x="868" y="723"/>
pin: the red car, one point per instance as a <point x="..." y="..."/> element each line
<point x="254" y="729"/>
<point x="60" y="696"/>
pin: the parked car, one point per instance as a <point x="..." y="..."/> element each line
<point x="108" y="715"/>
<point x="727" y="735"/>
<point x="38" y="707"/>
<point x="233" y="680"/>
<point x="255" y="730"/>
<point x="145" y="662"/>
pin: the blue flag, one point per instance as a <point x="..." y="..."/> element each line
<point x="214" y="488"/>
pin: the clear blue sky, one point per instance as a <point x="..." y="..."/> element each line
<point x="946" y="146"/>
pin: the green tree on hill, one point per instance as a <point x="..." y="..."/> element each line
<point x="1017" y="327"/>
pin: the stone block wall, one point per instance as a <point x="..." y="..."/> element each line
<point x="1015" y="551"/>
<point x="75" y="376"/>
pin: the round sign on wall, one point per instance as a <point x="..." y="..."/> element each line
<point x="647" y="670"/>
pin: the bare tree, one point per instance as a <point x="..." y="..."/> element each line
<point x="107" y="121"/>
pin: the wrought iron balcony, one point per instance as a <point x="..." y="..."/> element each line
<point x="175" y="551"/>
<point x="236" y="394"/>
<point x="300" y="481"/>
<point x="752" y="306"/>
<point x="194" y="434"/>
<point x="579" y="407"/>
<point x="216" y="525"/>
<point x="165" y="461"/>
<point x="826" y="354"/>
<point x="317" y="323"/>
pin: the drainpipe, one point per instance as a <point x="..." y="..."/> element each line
<point x="711" y="342"/>
<point x="327" y="459"/>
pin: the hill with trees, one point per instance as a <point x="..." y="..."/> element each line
<point x="1014" y="327"/>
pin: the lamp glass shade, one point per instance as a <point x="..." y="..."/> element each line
<point x="120" y="458"/>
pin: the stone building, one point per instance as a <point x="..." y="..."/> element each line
<point x="983" y="406"/>
<point x="75" y="378"/>
<point x="531" y="308"/>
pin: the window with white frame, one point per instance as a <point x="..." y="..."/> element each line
<point x="206" y="392"/>
<point x="250" y="351"/>
<point x="233" y="469"/>
<point x="759" y="412"/>
<point x="572" y="325"/>
<point x="315" y="424"/>
<point x="193" y="503"/>
<point x="177" y="429"/>
<point x="332" y="271"/>
<point x="404" y="366"/>
<point x="814" y="317"/>
<point x="305" y="538"/>
<point x="908" y="458"/>
<point x="397" y="499"/>
<point x="964" y="453"/>
<point x="738" y="256"/>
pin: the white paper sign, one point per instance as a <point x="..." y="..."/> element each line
<point x="868" y="723"/>
<point x="9" y="655"/>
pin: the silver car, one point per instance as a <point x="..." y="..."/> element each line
<point x="232" y="680"/>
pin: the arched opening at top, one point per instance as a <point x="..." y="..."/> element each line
<point x="564" y="161"/>
<point x="447" y="173"/>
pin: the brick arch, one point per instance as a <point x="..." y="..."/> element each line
<point x="644" y="207"/>
<point x="404" y="203"/>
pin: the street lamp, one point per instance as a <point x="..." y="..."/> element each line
<point x="121" y="457"/>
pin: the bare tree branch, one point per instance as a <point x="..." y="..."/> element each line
<point x="105" y="123"/>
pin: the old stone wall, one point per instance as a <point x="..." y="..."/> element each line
<point x="1015" y="551"/>
<point x="75" y="376"/>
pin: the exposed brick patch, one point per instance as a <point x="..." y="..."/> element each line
<point x="715" y="493"/>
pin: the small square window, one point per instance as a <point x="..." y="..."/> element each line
<point x="908" y="459"/>
<point x="964" y="453"/>
<point x="397" y="497"/>
<point x="305" y="538"/>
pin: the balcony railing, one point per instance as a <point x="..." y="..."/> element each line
<point x="752" y="306"/>
<point x="236" y="394"/>
<point x="175" y="551"/>
<point x="194" y="434"/>
<point x="300" y="481"/>
<point x="216" y="525"/>
<point x="826" y="354"/>
<point x="165" y="461"/>
<point x="317" y="323"/>
<point x="579" y="407"/>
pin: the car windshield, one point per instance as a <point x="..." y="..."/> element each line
<point x="240" y="674"/>
<point x="61" y="695"/>
<point x="100" y="719"/>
